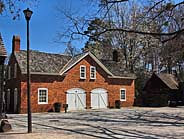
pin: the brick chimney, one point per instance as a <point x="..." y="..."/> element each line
<point x="15" y="44"/>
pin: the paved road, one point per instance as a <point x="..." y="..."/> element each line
<point x="139" y="123"/>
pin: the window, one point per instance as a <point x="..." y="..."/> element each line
<point x="42" y="96"/>
<point x="122" y="95"/>
<point x="15" y="70"/>
<point x="83" y="72"/>
<point x="92" y="72"/>
<point x="9" y="72"/>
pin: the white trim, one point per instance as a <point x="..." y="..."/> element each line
<point x="120" y="94"/>
<point x="60" y="72"/>
<point x="83" y="66"/>
<point x="100" y="64"/>
<point x="46" y="96"/>
<point x="71" y="89"/>
<point x="94" y="58"/>
<point x="94" y="72"/>
<point x="72" y="64"/>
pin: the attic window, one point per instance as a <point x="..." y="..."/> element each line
<point x="115" y="56"/>
<point x="82" y="72"/>
<point x="92" y="72"/>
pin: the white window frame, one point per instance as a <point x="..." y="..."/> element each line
<point x="15" y="70"/>
<point x="9" y="72"/>
<point x="125" y="94"/>
<point x="39" y="96"/>
<point x="82" y="66"/>
<point x="91" y="72"/>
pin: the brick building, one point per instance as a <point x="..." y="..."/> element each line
<point x="82" y="81"/>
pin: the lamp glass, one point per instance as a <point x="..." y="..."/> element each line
<point x="27" y="13"/>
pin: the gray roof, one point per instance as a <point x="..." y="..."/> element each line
<point x="41" y="62"/>
<point x="169" y="80"/>
<point x="117" y="68"/>
<point x="2" y="48"/>
<point x="49" y="63"/>
<point x="72" y="61"/>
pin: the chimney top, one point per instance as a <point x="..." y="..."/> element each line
<point x="15" y="44"/>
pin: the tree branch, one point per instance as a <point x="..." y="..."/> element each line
<point x="142" y="32"/>
<point x="116" y="1"/>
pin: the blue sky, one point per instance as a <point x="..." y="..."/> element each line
<point x="44" y="24"/>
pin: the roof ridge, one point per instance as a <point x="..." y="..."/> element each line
<point x="47" y="52"/>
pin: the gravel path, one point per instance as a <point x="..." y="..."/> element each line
<point x="139" y="123"/>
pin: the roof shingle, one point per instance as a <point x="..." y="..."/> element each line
<point x="2" y="48"/>
<point x="169" y="80"/>
<point x="41" y="62"/>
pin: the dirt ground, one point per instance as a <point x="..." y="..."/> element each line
<point x="128" y="123"/>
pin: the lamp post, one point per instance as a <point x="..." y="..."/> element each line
<point x="28" y="14"/>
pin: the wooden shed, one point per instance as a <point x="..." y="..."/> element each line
<point x="160" y="89"/>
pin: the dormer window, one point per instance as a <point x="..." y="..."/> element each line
<point x="92" y="72"/>
<point x="82" y="72"/>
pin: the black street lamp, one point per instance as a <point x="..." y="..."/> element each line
<point x="28" y="14"/>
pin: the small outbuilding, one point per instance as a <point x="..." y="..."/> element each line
<point x="160" y="89"/>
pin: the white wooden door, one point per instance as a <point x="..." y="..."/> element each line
<point x="103" y="100"/>
<point x="76" y="99"/>
<point x="99" y="98"/>
<point x="94" y="100"/>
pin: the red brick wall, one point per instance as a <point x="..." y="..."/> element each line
<point x="57" y="87"/>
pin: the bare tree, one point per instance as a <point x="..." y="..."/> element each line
<point x="71" y="50"/>
<point x="13" y="7"/>
<point x="153" y="11"/>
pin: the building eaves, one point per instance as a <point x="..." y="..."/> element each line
<point x="3" y="52"/>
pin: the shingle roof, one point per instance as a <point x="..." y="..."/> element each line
<point x="169" y="80"/>
<point x="116" y="68"/>
<point x="41" y="62"/>
<point x="2" y="48"/>
<point x="72" y="61"/>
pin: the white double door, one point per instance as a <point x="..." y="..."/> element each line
<point x="99" y="98"/>
<point x="76" y="99"/>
